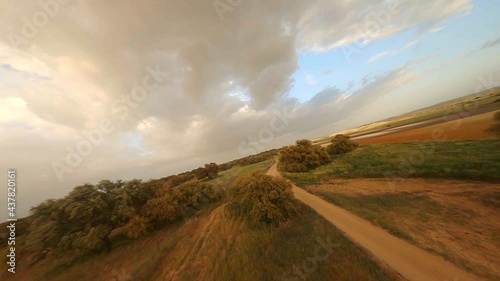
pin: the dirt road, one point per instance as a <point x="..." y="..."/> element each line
<point x="410" y="261"/>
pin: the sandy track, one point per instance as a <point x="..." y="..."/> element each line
<point x="410" y="261"/>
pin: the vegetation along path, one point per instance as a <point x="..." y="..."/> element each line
<point x="410" y="261"/>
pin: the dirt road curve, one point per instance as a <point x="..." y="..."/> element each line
<point x="410" y="261"/>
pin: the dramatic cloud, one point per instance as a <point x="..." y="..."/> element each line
<point x="325" y="26"/>
<point x="68" y="70"/>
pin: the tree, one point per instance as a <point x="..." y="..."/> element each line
<point x="494" y="129"/>
<point x="172" y="202"/>
<point x="84" y="219"/>
<point x="210" y="171"/>
<point x="162" y="207"/>
<point x="342" y="144"/>
<point x="303" y="156"/>
<point x="180" y="179"/>
<point x="265" y="199"/>
<point x="45" y="231"/>
<point x="78" y="221"/>
<point x="137" y="227"/>
<point x="199" y="173"/>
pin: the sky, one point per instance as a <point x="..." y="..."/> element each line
<point x="93" y="90"/>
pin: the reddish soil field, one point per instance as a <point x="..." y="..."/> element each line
<point x="461" y="129"/>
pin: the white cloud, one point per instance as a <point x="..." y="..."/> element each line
<point x="377" y="56"/>
<point x="326" y="26"/>
<point x="226" y="77"/>
<point x="311" y="80"/>
<point x="437" y="29"/>
<point x="393" y="52"/>
<point x="408" y="45"/>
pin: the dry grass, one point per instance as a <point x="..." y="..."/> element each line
<point x="456" y="219"/>
<point x="227" y="248"/>
<point x="486" y="101"/>
<point x="217" y="245"/>
<point x="462" y="129"/>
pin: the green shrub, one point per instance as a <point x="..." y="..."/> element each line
<point x="136" y="227"/>
<point x="265" y="199"/>
<point x="172" y="202"/>
<point x="342" y="144"/>
<point x="210" y="171"/>
<point x="303" y="156"/>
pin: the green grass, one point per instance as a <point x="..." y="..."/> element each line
<point x="472" y="160"/>
<point x="463" y="104"/>
<point x="269" y="254"/>
<point x="226" y="177"/>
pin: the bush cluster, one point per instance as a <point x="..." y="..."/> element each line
<point x="264" y="199"/>
<point x="303" y="156"/>
<point x="84" y="219"/>
<point x="210" y="171"/>
<point x="342" y="144"/>
<point x="173" y="202"/>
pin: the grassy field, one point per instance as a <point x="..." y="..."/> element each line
<point x="455" y="219"/>
<point x="441" y="196"/>
<point x="473" y="127"/>
<point x="472" y="160"/>
<point x="226" y="177"/>
<point x="463" y="104"/>
<point x="231" y="250"/>
<point x="472" y="104"/>
<point x="218" y="245"/>
<point x="57" y="265"/>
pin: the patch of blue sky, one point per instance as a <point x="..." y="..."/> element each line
<point x="239" y="92"/>
<point x="133" y="140"/>
<point x="346" y="67"/>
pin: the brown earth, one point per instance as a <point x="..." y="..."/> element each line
<point x="460" y="129"/>
<point x="410" y="261"/>
<point x="463" y="225"/>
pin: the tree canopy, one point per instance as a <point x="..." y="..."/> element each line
<point x="172" y="202"/>
<point x="341" y="144"/>
<point x="84" y="219"/>
<point x="265" y="199"/>
<point x="210" y="171"/>
<point x="303" y="156"/>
